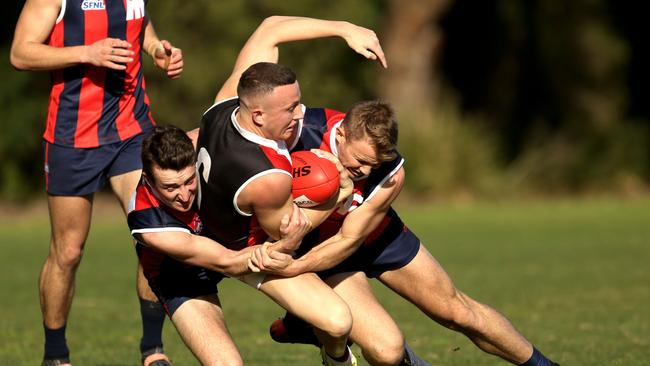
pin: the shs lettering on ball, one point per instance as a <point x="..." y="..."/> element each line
<point x="315" y="179"/>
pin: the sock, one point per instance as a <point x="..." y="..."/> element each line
<point x="55" y="344"/>
<point x="153" y="317"/>
<point x="411" y="359"/>
<point x="538" y="359"/>
<point x="338" y="361"/>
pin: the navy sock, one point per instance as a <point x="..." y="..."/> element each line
<point x="153" y="317"/>
<point x="345" y="356"/>
<point x="411" y="359"/>
<point x="55" y="344"/>
<point x="538" y="359"/>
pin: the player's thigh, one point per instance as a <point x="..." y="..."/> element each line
<point x="142" y="285"/>
<point x="373" y="329"/>
<point x="425" y="283"/>
<point x="201" y="324"/>
<point x="70" y="220"/>
<point x="309" y="298"/>
<point x="126" y="167"/>
<point x="124" y="185"/>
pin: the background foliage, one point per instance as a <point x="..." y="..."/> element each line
<point x="494" y="97"/>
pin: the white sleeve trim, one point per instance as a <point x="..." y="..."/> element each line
<point x="387" y="177"/>
<point x="62" y="12"/>
<point x="159" y="230"/>
<point x="219" y="102"/>
<point x="131" y="202"/>
<point x="299" y="133"/>
<point x="241" y="188"/>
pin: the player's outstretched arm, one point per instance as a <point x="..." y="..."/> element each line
<point x="201" y="251"/>
<point x="356" y="227"/>
<point x="262" y="46"/>
<point x="29" y="51"/>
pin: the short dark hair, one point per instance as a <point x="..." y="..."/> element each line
<point x="168" y="147"/>
<point x="375" y="120"/>
<point x="261" y="78"/>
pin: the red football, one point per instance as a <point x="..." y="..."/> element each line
<point x="315" y="179"/>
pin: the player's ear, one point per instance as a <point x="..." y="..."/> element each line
<point x="340" y="133"/>
<point x="147" y="180"/>
<point x="257" y="116"/>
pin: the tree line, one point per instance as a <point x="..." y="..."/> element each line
<point x="493" y="97"/>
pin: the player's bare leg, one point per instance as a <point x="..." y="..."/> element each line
<point x="70" y="223"/>
<point x="201" y="325"/>
<point x="437" y="297"/>
<point x="312" y="300"/>
<point x="123" y="186"/>
<point x="373" y="330"/>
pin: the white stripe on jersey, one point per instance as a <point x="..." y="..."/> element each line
<point x="301" y="122"/>
<point x="241" y="188"/>
<point x="159" y="230"/>
<point x="374" y="191"/>
<point x="217" y="103"/>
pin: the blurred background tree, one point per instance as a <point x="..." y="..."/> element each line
<point x="495" y="97"/>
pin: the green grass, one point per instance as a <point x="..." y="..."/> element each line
<point x="573" y="276"/>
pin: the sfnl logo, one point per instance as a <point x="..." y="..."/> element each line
<point x="134" y="8"/>
<point x="93" y="5"/>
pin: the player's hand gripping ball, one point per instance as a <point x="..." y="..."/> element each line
<point x="315" y="179"/>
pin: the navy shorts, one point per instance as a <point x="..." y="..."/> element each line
<point x="175" y="282"/>
<point x="388" y="252"/>
<point x="73" y="171"/>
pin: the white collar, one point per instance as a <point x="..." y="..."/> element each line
<point x="335" y="151"/>
<point x="279" y="146"/>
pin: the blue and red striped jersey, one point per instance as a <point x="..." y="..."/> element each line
<point x="317" y="131"/>
<point x="147" y="214"/>
<point x="91" y="106"/>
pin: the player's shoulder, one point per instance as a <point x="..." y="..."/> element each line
<point x="222" y="104"/>
<point x="328" y="116"/>
<point x="214" y="122"/>
<point x="388" y="168"/>
<point x="50" y="4"/>
<point x="143" y="198"/>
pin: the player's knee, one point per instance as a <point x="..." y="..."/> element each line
<point x="222" y="359"/>
<point x="463" y="315"/>
<point x="388" y="350"/>
<point x="67" y="255"/>
<point x="338" y="322"/>
<point x="460" y="320"/>
<point x="235" y="361"/>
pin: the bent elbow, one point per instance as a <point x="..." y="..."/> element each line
<point x="271" y="20"/>
<point x="17" y="62"/>
<point x="267" y="29"/>
<point x="18" y="57"/>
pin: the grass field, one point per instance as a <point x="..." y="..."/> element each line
<point x="574" y="277"/>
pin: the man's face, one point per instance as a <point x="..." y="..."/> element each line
<point x="281" y="111"/>
<point x="174" y="188"/>
<point x="357" y="156"/>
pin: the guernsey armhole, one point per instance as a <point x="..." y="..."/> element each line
<point x="62" y="12"/>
